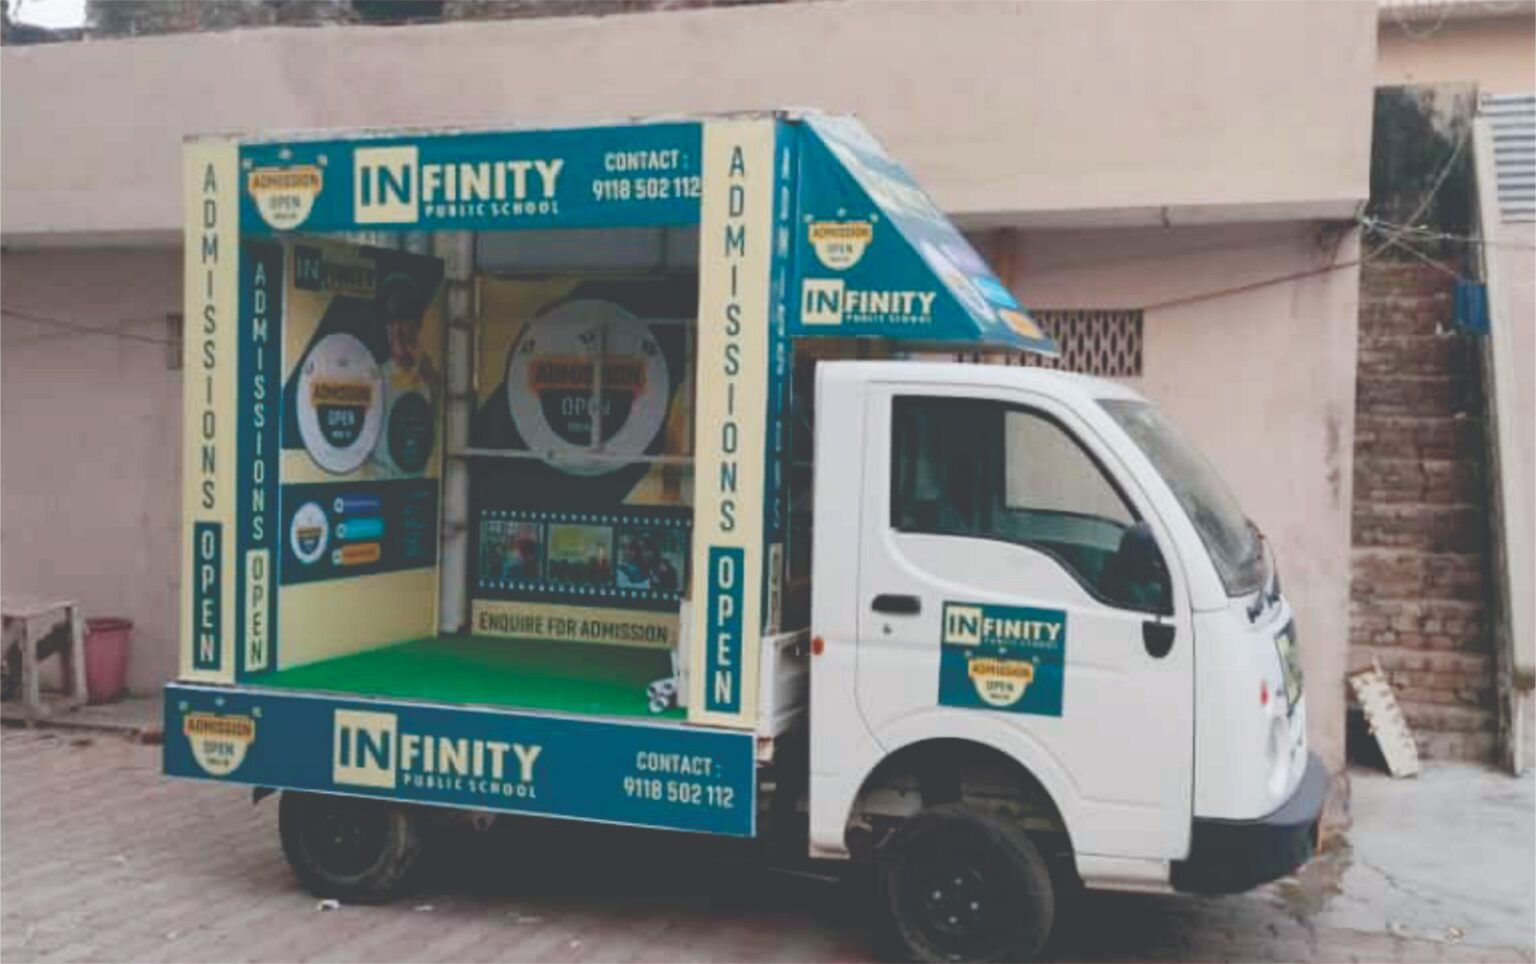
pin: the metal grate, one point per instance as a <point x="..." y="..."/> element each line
<point x="1513" y="119"/>
<point x="1106" y="343"/>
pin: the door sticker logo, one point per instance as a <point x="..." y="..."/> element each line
<point x="1003" y="658"/>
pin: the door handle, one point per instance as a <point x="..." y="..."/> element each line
<point x="897" y="605"/>
<point x="1157" y="637"/>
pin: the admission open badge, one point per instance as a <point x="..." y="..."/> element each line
<point x="551" y="374"/>
<point x="219" y="741"/>
<point x="341" y="403"/>
<point x="285" y="195"/>
<point x="1003" y="658"/>
<point x="840" y="245"/>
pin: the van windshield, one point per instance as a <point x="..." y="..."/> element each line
<point x="1228" y="536"/>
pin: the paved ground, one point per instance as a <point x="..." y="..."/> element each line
<point x="106" y="860"/>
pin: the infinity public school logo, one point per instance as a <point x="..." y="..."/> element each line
<point x="371" y="750"/>
<point x="391" y="185"/>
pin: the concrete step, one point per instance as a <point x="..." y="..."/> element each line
<point x="1440" y="625"/>
<point x="1432" y="527"/>
<point x="1388" y="355"/>
<point x="1434" y="396"/>
<point x="1418" y="437"/>
<point x="1432" y="717"/>
<point x="1442" y="482"/>
<point x="1430" y="677"/>
<point x="1415" y="315"/>
<point x="1408" y="574"/>
<point x="1479" y="746"/>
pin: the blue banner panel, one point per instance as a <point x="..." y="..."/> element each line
<point x="260" y="391"/>
<point x="338" y="530"/>
<point x="722" y="680"/>
<point x="631" y="176"/>
<point x="207" y="595"/>
<point x="643" y="775"/>
<point x="876" y="258"/>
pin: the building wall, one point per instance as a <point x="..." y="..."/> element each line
<point x="1496" y="53"/>
<point x="92" y="429"/>
<point x="1262" y="380"/>
<point x="1128" y="112"/>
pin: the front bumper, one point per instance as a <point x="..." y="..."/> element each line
<point x="1227" y="856"/>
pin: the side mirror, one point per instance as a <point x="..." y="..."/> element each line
<point x="1136" y="575"/>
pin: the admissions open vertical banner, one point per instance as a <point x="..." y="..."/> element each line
<point x="735" y="259"/>
<point x="210" y="202"/>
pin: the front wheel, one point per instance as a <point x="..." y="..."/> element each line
<point x="954" y="884"/>
<point x="356" y="851"/>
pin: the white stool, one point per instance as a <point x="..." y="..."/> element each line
<point x="28" y="623"/>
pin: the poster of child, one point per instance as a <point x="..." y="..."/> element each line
<point x="410" y="381"/>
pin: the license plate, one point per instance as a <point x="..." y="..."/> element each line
<point x="1290" y="662"/>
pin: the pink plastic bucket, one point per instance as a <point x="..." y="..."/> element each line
<point x="106" y="658"/>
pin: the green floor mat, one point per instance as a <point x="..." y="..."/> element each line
<point x="579" y="678"/>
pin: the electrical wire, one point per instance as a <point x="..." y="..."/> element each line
<point x="79" y="328"/>
<point x="1429" y="234"/>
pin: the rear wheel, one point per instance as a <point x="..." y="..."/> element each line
<point x="357" y="851"/>
<point x="957" y="885"/>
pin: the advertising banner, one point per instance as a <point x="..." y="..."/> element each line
<point x="736" y="257"/>
<point x="210" y="417"/>
<point x="876" y="257"/>
<point x="645" y="775"/>
<point x="361" y="424"/>
<point x="632" y="175"/>
<point x="582" y="497"/>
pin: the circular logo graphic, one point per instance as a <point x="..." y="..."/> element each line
<point x="309" y="532"/>
<point x="341" y="403"/>
<point x="409" y="433"/>
<point x="551" y="373"/>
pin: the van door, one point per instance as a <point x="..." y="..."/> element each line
<point x="994" y="590"/>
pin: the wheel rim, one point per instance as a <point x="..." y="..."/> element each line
<point x="345" y="839"/>
<point x="951" y="902"/>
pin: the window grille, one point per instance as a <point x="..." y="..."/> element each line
<point x="1093" y="342"/>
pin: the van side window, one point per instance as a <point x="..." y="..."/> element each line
<point x="984" y="469"/>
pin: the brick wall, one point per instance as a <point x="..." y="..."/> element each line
<point x="1420" y="521"/>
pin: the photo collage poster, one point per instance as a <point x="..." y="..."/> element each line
<point x="581" y="530"/>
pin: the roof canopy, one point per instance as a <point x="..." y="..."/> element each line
<point x="877" y="258"/>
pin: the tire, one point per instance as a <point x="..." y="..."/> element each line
<point x="355" y="851"/>
<point x="953" y="884"/>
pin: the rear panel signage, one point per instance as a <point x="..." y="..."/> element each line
<point x="648" y="174"/>
<point x="666" y="777"/>
<point x="1003" y="658"/>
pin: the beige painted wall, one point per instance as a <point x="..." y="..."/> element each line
<point x="1498" y="54"/>
<point x="1262" y="380"/>
<point x="1126" y="112"/>
<point x="91" y="429"/>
